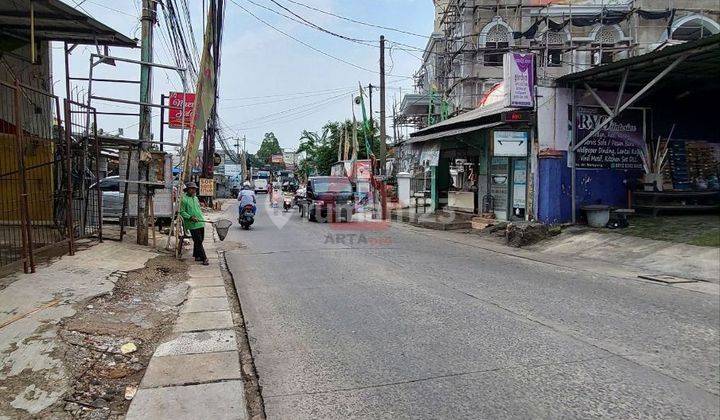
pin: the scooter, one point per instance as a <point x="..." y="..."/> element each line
<point x="287" y="201"/>
<point x="246" y="218"/>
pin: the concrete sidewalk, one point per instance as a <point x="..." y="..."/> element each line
<point x="33" y="376"/>
<point x="196" y="373"/>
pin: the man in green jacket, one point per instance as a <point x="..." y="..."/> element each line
<point x="193" y="221"/>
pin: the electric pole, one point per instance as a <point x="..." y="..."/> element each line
<point x="147" y="21"/>
<point x="370" y="89"/>
<point x="383" y="133"/>
<point x="383" y="151"/>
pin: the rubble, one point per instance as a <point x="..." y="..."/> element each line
<point x="525" y="233"/>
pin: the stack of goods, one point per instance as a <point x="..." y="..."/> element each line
<point x="702" y="161"/>
<point x="679" y="172"/>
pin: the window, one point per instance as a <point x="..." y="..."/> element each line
<point x="553" y="43"/>
<point x="110" y="184"/>
<point x="606" y="40"/>
<point x="694" y="27"/>
<point x="497" y="42"/>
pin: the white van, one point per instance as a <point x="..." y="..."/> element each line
<point x="260" y="185"/>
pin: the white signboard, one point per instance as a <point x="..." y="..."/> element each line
<point x="430" y="155"/>
<point x="232" y="170"/>
<point x="510" y="143"/>
<point x="519" y="75"/>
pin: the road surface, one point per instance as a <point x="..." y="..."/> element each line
<point x="400" y="322"/>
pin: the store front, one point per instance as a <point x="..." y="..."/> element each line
<point x="482" y="168"/>
<point x="638" y="134"/>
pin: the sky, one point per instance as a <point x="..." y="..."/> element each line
<point x="268" y="82"/>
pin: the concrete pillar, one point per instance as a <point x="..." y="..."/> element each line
<point x="434" y="191"/>
<point x="403" y="185"/>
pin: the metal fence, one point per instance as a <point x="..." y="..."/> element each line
<point x="43" y="165"/>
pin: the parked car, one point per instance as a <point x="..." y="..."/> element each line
<point x="328" y="198"/>
<point x="112" y="201"/>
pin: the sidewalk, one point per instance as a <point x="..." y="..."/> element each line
<point x="196" y="373"/>
<point x="34" y="374"/>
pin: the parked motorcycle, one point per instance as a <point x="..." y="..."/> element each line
<point x="247" y="217"/>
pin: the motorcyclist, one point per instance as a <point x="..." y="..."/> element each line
<point x="247" y="196"/>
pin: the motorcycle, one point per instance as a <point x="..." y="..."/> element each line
<point x="247" y="217"/>
<point x="287" y="201"/>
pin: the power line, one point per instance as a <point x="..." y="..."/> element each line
<point x="308" y="45"/>
<point x="287" y="94"/>
<point x="359" y="22"/>
<point x="320" y="28"/>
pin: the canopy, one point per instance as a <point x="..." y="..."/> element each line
<point x="56" y="21"/>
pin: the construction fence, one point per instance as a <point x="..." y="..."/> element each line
<point x="49" y="162"/>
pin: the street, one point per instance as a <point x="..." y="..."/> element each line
<point x="399" y="322"/>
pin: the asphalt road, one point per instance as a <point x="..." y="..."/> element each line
<point x="400" y="322"/>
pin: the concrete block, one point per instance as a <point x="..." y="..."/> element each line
<point x="191" y="368"/>
<point x="210" y="291"/>
<point x="206" y="305"/>
<point x="198" y="342"/>
<point x="206" y="281"/>
<point x="219" y="401"/>
<point x="199" y="321"/>
<point x="207" y="273"/>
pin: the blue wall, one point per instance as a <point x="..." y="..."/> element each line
<point x="592" y="186"/>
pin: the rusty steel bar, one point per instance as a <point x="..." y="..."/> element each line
<point x="68" y="169"/>
<point x="97" y="177"/>
<point x="25" y="223"/>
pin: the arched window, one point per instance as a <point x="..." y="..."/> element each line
<point x="552" y="44"/>
<point x="694" y="27"/>
<point x="605" y="39"/>
<point x="496" y="38"/>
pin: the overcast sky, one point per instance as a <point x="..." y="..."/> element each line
<point x="268" y="82"/>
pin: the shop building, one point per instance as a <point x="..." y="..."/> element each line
<point x="603" y="135"/>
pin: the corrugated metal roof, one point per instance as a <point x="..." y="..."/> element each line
<point x="56" y="21"/>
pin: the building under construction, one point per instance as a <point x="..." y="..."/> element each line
<point x="462" y="61"/>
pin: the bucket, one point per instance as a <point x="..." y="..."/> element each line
<point x="221" y="227"/>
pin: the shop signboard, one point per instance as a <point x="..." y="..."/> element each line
<point x="207" y="187"/>
<point x="510" y="143"/>
<point x="175" y="112"/>
<point x="232" y="170"/>
<point x="617" y="146"/>
<point x="519" y="79"/>
<point x="430" y="155"/>
<point x="277" y="158"/>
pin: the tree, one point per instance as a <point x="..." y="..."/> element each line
<point x="268" y="147"/>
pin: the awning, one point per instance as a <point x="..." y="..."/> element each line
<point x="56" y="21"/>
<point x="699" y="66"/>
<point x="452" y="132"/>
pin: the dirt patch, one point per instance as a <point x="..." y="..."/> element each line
<point x="141" y="310"/>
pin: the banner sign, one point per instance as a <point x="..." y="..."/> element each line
<point x="277" y="158"/>
<point x="519" y="75"/>
<point x="175" y="117"/>
<point x="617" y="146"/>
<point x="205" y="100"/>
<point x="207" y="187"/>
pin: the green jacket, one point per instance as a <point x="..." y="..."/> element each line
<point x="189" y="207"/>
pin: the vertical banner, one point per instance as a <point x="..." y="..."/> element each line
<point x="181" y="109"/>
<point x="519" y="76"/>
<point x="205" y="99"/>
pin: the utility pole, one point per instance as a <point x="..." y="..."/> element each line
<point x="383" y="148"/>
<point x="246" y="175"/>
<point x="383" y="132"/>
<point x="147" y="21"/>
<point x="370" y="89"/>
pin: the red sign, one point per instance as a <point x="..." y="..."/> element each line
<point x="175" y="120"/>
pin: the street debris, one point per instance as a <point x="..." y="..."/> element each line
<point x="130" y="392"/>
<point x="106" y="345"/>
<point x="128" y="348"/>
